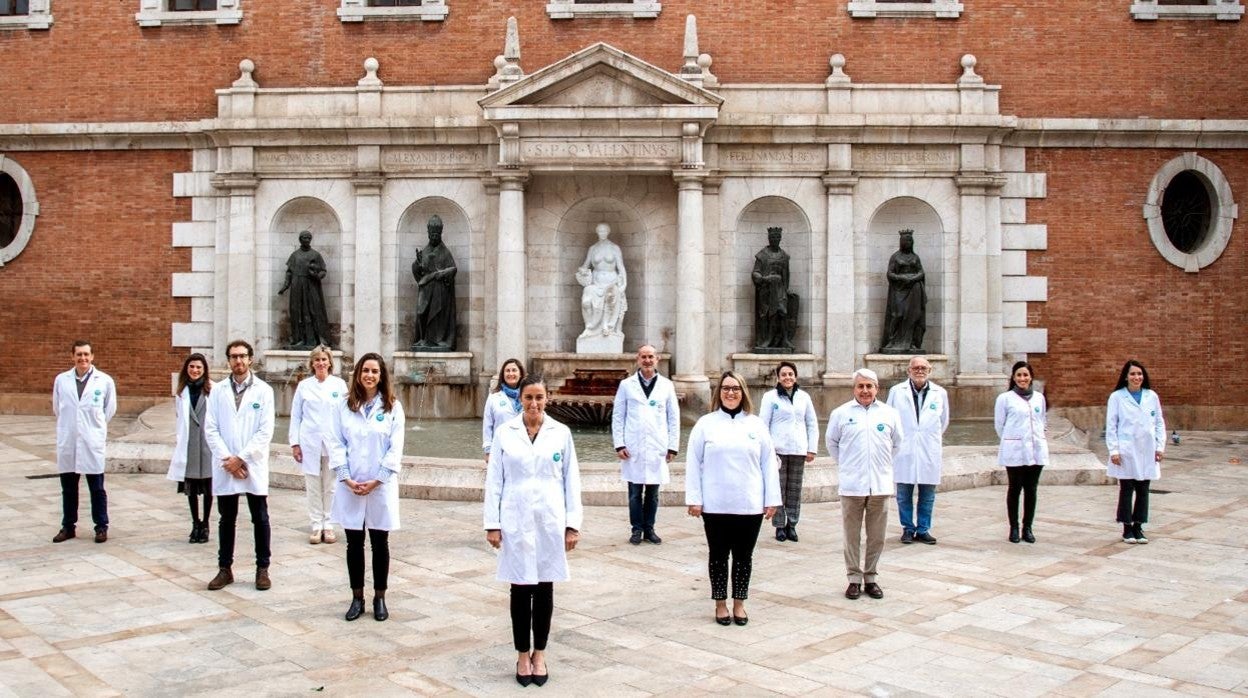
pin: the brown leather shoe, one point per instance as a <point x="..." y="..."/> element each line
<point x="224" y="578"/>
<point x="853" y="591"/>
<point x="262" y="579"/>
<point x="63" y="535"/>
<point x="101" y="536"/>
<point x="873" y="590"/>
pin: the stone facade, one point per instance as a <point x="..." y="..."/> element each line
<point x="1025" y="193"/>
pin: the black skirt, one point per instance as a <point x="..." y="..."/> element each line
<point x="195" y="486"/>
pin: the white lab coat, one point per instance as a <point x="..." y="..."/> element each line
<point x="648" y="427"/>
<point x="731" y="465"/>
<point x="793" y="424"/>
<point x="863" y="441"/>
<point x="82" y="423"/>
<point x="1135" y="433"/>
<point x="312" y="418"/>
<point x="244" y="432"/>
<point x="532" y="495"/>
<point x="1020" y="425"/>
<point x="919" y="459"/>
<point x="498" y="410"/>
<point x="367" y="445"/>
<point x="182" y="415"/>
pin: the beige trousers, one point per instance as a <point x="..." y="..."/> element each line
<point x="872" y="510"/>
<point x="320" y="492"/>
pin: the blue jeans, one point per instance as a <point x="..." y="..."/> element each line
<point x="642" y="510"/>
<point x="905" y="506"/>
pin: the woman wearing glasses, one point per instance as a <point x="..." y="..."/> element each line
<point x="732" y="483"/>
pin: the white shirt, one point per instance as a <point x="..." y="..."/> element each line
<point x="919" y="459"/>
<point x="648" y="426"/>
<point x="793" y="424"/>
<point x="368" y="443"/>
<point x="863" y="441"/>
<point x="1136" y="433"/>
<point x="245" y="431"/>
<point x="312" y="418"/>
<point x="731" y="466"/>
<point x="82" y="422"/>
<point x="498" y="410"/>
<point x="1020" y="424"/>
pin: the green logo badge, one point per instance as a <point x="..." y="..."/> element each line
<point x="879" y="427"/>
<point x="558" y="457"/>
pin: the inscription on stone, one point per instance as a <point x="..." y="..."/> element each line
<point x="269" y="159"/>
<point x="772" y="157"/>
<point x="421" y="158"/>
<point x="599" y="150"/>
<point x="905" y="158"/>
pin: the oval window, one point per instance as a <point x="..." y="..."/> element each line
<point x="10" y="209"/>
<point x="1186" y="209"/>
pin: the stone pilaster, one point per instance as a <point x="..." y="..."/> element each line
<point x="841" y="329"/>
<point x="366" y="304"/>
<point x="511" y="325"/>
<point x="689" y="372"/>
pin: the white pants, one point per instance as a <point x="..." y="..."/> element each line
<point x="320" y="491"/>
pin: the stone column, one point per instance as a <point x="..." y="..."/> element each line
<point x="366" y="305"/>
<point x="240" y="257"/>
<point x="511" y="336"/>
<point x="841" y="331"/>
<point x="689" y="368"/>
<point x="979" y="266"/>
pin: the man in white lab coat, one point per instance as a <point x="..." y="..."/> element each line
<point x="84" y="399"/>
<point x="924" y="409"/>
<point x="645" y="427"/>
<point x="238" y="428"/>
<point x="863" y="436"/>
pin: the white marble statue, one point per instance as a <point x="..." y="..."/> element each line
<point x="602" y="302"/>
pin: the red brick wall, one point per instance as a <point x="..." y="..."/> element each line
<point x="1053" y="58"/>
<point x="97" y="268"/>
<point x="1113" y="297"/>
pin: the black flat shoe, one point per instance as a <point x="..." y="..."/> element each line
<point x="1027" y="536"/>
<point x="523" y="680"/>
<point x="379" y="609"/>
<point x="1014" y="534"/>
<point x="194" y="537"/>
<point x="741" y="620"/>
<point x="781" y="535"/>
<point x="356" y="609"/>
<point x="723" y="620"/>
<point x="791" y="533"/>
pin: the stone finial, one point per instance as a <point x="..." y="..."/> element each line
<point x="370" y="78"/>
<point x="511" y="44"/>
<point x="704" y="64"/>
<point x="690" y="67"/>
<point x="246" y="67"/>
<point x="838" y="76"/>
<point x="968" y="71"/>
<point x="507" y="64"/>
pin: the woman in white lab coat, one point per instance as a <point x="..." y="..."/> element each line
<point x="1019" y="417"/>
<point x="1135" y="434"/>
<point x="366" y="457"/>
<point x="790" y="418"/>
<point x="503" y="404"/>
<point x="191" y="465"/>
<point x="533" y="517"/>
<point x="311" y="427"/>
<point x="732" y="482"/>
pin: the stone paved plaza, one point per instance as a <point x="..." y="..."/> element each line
<point x="1078" y="613"/>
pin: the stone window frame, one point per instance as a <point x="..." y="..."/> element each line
<point x="30" y="209"/>
<point x="938" y="9"/>
<point x="38" y="16"/>
<point x="1223" y="209"/>
<point x="156" y="13"/>
<point x="636" y="9"/>
<point x="1223" y="10"/>
<point x="359" y="11"/>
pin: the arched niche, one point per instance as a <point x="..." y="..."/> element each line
<point x="413" y="235"/>
<point x="933" y="247"/>
<point x="293" y="217"/>
<point x="751" y="237"/>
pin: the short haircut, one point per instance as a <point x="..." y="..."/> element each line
<point x="317" y="351"/>
<point x="788" y="364"/>
<point x="79" y="343"/>
<point x="747" y="404"/>
<point x="239" y="343"/>
<point x="868" y="374"/>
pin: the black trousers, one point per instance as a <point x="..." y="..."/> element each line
<point x="1137" y="489"/>
<point x="532" y="606"/>
<point x="1024" y="479"/>
<point x="192" y="500"/>
<point x="380" y="543"/>
<point x="227" y="504"/>
<point x="69" y="501"/>
<point x="735" y="535"/>
<point x="643" y="506"/>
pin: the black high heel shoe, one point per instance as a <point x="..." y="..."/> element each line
<point x="523" y="680"/>
<point x="540" y="679"/>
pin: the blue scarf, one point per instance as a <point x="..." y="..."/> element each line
<point x="513" y="394"/>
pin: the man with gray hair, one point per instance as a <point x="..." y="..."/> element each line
<point x="863" y="436"/>
<point x="924" y="410"/>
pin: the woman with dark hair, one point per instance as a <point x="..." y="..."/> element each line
<point x="311" y="422"/>
<point x="1019" y="418"/>
<point x="790" y="417"/>
<point x="366" y="456"/>
<point x="503" y="404"/>
<point x="1135" y="434"/>
<point x="191" y="466"/>
<point x="732" y="483"/>
<point x="533" y="518"/>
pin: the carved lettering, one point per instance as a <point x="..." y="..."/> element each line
<point x="876" y="158"/>
<point x="600" y="150"/>
<point x="754" y="156"/>
<point x="269" y="159"/>
<point x="432" y="158"/>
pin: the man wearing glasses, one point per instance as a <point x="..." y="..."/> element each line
<point x="924" y="409"/>
<point x="239" y="427"/>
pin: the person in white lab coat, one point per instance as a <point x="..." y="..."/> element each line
<point x="924" y="410"/>
<point x="1019" y="417"/>
<point x="1135" y="434"/>
<point x="311" y="427"/>
<point x="191" y="465"/>
<point x="645" y="428"/>
<point x="863" y="437"/>
<point x="84" y="399"/>
<point x="732" y="482"/>
<point x="366" y="456"/>
<point x="790" y="416"/>
<point x="503" y="404"/>
<point x="533" y="516"/>
<point x="239" y="428"/>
